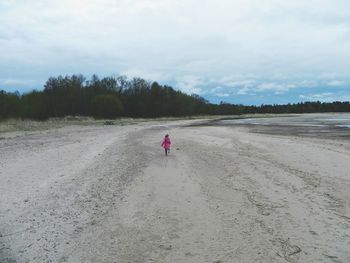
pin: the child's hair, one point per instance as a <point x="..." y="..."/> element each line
<point x="166" y="135"/>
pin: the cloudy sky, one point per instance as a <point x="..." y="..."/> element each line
<point x="239" y="51"/>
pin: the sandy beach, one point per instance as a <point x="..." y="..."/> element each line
<point x="224" y="194"/>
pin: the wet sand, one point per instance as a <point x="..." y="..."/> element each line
<point x="225" y="194"/>
<point x="317" y="125"/>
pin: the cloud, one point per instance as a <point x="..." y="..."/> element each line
<point x="190" y="84"/>
<point x="260" y="85"/>
<point x="275" y="87"/>
<point x="236" y="81"/>
<point x="17" y="81"/>
<point x="222" y="95"/>
<point x="148" y="75"/>
<point x="243" y="91"/>
<point x="220" y="92"/>
<point x="321" y="96"/>
<point x="249" y="46"/>
<point x="335" y="83"/>
<point x="324" y="97"/>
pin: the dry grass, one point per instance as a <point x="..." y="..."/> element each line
<point x="15" y="125"/>
<point x="20" y="125"/>
<point x="12" y="125"/>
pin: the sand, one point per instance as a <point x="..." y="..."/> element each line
<point x="225" y="194"/>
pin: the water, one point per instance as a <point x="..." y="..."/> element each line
<point x="341" y="120"/>
<point x="327" y="125"/>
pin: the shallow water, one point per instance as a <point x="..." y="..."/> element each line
<point x="326" y="125"/>
<point x="311" y="120"/>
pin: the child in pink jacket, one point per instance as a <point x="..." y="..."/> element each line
<point x="166" y="144"/>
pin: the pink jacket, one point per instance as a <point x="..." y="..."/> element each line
<point x="166" y="143"/>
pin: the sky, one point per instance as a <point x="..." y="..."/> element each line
<point x="237" y="51"/>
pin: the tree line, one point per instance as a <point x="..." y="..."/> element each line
<point x="112" y="97"/>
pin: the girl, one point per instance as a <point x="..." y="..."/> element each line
<point x="166" y="144"/>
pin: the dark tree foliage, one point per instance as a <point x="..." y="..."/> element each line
<point x="112" y="97"/>
<point x="9" y="104"/>
<point x="106" y="106"/>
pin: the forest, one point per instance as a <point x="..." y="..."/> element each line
<point x="113" y="97"/>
